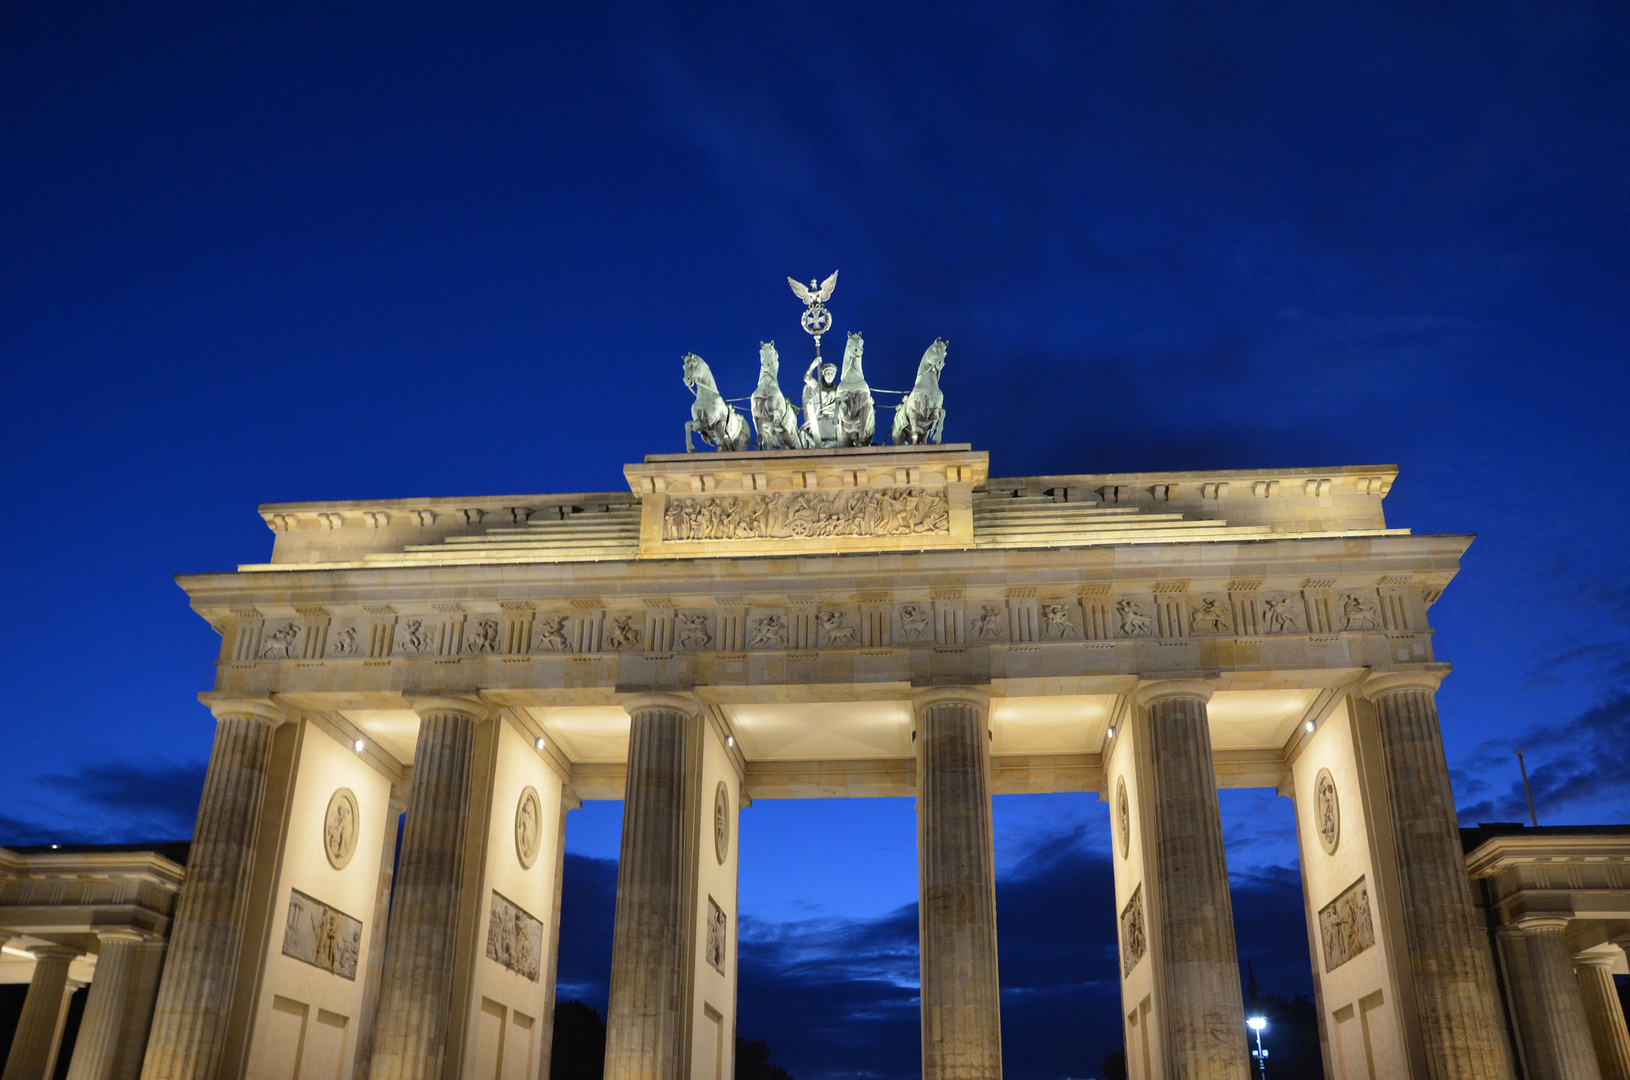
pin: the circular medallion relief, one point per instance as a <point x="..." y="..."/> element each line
<point x="721" y="822"/>
<point x="1123" y="817"/>
<point x="340" y="826"/>
<point x="1326" y="811"/>
<point x="528" y="827"/>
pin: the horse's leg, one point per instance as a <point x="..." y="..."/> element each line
<point x="690" y="426"/>
<point x="939" y="427"/>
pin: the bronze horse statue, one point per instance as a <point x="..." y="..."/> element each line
<point x="714" y="419"/>
<point x="920" y="416"/>
<point x="776" y="423"/>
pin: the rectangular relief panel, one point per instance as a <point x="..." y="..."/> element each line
<point x="515" y="938"/>
<point x="1345" y="925"/>
<point x="322" y="936"/>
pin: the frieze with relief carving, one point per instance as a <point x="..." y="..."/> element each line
<point x="799" y="515"/>
<point x="1346" y="926"/>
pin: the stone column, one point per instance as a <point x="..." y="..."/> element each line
<point x="1193" y="928"/>
<point x="39" y="1029"/>
<point x="647" y="1018"/>
<point x="1604" y="1014"/>
<point x="112" y="1017"/>
<point x="961" y="1003"/>
<point x="1567" y="1046"/>
<point x="195" y="994"/>
<point x="1457" y="1002"/>
<point x="416" y="996"/>
<point x="374" y="972"/>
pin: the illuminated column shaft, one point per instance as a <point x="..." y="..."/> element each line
<point x="1194" y="920"/>
<point x="39" y="1029"/>
<point x="1568" y="1051"/>
<point x="961" y="1003"/>
<point x="647" y="1020"/>
<point x="1606" y="1016"/>
<point x="195" y="996"/>
<point x="416" y="994"/>
<point x="1453" y="973"/>
<point x="118" y="1008"/>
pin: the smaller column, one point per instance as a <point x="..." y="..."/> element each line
<point x="961" y="998"/>
<point x="1556" y="991"/>
<point x="39" y="1030"/>
<point x="109" y="1019"/>
<point x="1604" y="1014"/>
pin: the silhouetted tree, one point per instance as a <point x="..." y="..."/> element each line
<point x="579" y="1048"/>
<point x="753" y="1062"/>
<point x="1114" y="1066"/>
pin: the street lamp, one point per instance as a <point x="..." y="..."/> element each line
<point x="1256" y="1024"/>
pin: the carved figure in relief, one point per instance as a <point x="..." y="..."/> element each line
<point x="717" y="928"/>
<point x="1210" y="617"/>
<point x="773" y="417"/>
<point x="624" y="634"/>
<point x="484" y="638"/>
<point x="803" y="515"/>
<point x="514" y="938"/>
<point x="345" y="642"/>
<point x="1278" y="615"/>
<point x="417" y="638"/>
<point x="920" y="417"/>
<point x="1134" y="942"/>
<point x="1357" y="613"/>
<point x="769" y="632"/>
<point x="552" y="634"/>
<point x="857" y="421"/>
<point x="1055" y="621"/>
<point x="1327" y="811"/>
<point x="1346" y="926"/>
<point x="834" y="632"/>
<point x="1135" y="622"/>
<point x="914" y="621"/>
<point x="339" y="831"/>
<point x="692" y="631"/>
<point x="716" y="421"/>
<point x="279" y="644"/>
<point x="987" y="625"/>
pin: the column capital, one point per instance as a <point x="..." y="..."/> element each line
<point x="1386" y="680"/>
<point x="1594" y="960"/>
<point x="976" y="696"/>
<point x="65" y="953"/>
<point x="471" y="708"/>
<point x="225" y="706"/>
<point x="689" y="704"/>
<point x="1535" y="921"/>
<point x="1150" y="691"/>
<point x="113" y="935"/>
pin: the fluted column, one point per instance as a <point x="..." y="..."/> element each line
<point x="416" y="995"/>
<point x="1568" y="1049"/>
<point x="961" y="1002"/>
<point x="1204" y="1011"/>
<point x="195" y="994"/>
<point x="1604" y="1014"/>
<point x="106" y="1030"/>
<point x="647" y="1027"/>
<point x="45" y="1009"/>
<point x="374" y="973"/>
<point x="1455" y="994"/>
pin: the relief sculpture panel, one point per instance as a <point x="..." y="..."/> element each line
<point x="1134" y="943"/>
<point x="514" y="938"/>
<point x="801" y="515"/>
<point x="322" y="936"/>
<point x="1345" y="925"/>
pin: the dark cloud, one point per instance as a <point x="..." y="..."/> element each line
<point x="133" y="802"/>
<point x="588" y="899"/>
<point x="1578" y="765"/>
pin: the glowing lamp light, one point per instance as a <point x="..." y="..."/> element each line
<point x="540" y="744"/>
<point x="357" y="746"/>
<point x="1310" y="727"/>
<point x="1257" y="1023"/>
<point x="1112" y="731"/>
<point x="730" y="740"/>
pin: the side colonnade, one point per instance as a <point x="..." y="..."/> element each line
<point x="269" y="973"/>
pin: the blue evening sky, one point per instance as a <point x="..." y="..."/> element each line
<point x="261" y="252"/>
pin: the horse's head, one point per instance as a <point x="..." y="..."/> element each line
<point x="769" y="361"/>
<point x="852" y="353"/>
<point x="934" y="358"/>
<point x="696" y="370"/>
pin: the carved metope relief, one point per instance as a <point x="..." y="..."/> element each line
<point x="989" y="625"/>
<point x="528" y="827"/>
<point x="800" y="515"/>
<point x="1123" y="817"/>
<point x="279" y="644"/>
<point x="514" y="937"/>
<point x="768" y="632"/>
<point x="721" y="822"/>
<point x="1345" y="926"/>
<point x="1133" y="618"/>
<point x="552" y="634"/>
<point x="692" y="632"/>
<point x="916" y="622"/>
<point x="624" y="635"/>
<point x="1056" y="623"/>
<point x="340" y="828"/>
<point x="717" y="924"/>
<point x="482" y="636"/>
<point x="322" y="936"/>
<point x="1133" y="941"/>
<point x="1326" y="811"/>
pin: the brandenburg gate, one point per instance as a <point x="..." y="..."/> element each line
<point x="812" y="623"/>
